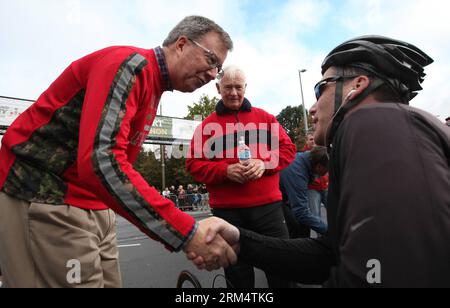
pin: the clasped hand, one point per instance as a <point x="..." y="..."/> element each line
<point x="214" y="251"/>
<point x="253" y="170"/>
<point x="218" y="232"/>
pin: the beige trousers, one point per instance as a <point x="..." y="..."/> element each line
<point x="48" y="246"/>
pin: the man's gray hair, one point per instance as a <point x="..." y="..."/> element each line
<point x="194" y="28"/>
<point x="232" y="71"/>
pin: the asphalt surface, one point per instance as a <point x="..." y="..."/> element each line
<point x="145" y="263"/>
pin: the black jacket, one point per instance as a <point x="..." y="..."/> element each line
<point x="389" y="201"/>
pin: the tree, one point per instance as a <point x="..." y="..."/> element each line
<point x="205" y="107"/>
<point x="149" y="167"/>
<point x="176" y="173"/>
<point x="291" y="118"/>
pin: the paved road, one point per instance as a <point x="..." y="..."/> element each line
<point x="147" y="264"/>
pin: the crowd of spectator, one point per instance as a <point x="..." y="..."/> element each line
<point x="193" y="198"/>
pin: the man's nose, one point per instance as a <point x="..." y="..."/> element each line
<point x="234" y="91"/>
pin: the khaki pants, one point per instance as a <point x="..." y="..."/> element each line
<point x="45" y="246"/>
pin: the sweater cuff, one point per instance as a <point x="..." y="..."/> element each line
<point x="189" y="237"/>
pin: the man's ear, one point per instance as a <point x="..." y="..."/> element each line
<point x="360" y="84"/>
<point x="180" y="44"/>
<point x="357" y="86"/>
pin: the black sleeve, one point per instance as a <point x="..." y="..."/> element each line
<point x="305" y="261"/>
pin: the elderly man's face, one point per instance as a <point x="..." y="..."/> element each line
<point x="232" y="89"/>
<point x="194" y="66"/>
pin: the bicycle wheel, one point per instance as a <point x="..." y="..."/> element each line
<point x="188" y="277"/>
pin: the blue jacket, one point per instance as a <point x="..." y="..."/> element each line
<point x="294" y="182"/>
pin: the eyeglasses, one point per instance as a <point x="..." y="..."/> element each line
<point x="211" y="58"/>
<point x="320" y="86"/>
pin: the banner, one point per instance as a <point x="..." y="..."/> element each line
<point x="164" y="130"/>
<point x="172" y="131"/>
<point x="11" y="108"/>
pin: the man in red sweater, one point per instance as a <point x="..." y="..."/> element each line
<point x="246" y="195"/>
<point x="67" y="163"/>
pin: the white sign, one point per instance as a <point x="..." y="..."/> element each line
<point x="184" y="129"/>
<point x="11" y="108"/>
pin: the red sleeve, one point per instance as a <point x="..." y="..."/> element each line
<point x="282" y="152"/>
<point x="111" y="102"/>
<point x="199" y="166"/>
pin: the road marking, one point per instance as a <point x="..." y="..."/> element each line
<point x="132" y="245"/>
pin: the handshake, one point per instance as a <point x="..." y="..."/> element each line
<point x="214" y="245"/>
<point x="216" y="242"/>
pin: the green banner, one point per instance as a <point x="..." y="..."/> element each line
<point x="162" y="128"/>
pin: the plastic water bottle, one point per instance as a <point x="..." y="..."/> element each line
<point x="244" y="153"/>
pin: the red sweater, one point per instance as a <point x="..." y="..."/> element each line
<point x="77" y="143"/>
<point x="214" y="148"/>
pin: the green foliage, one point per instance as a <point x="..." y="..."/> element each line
<point x="204" y="107"/>
<point x="291" y="118"/>
<point x="149" y="167"/>
<point x="151" y="170"/>
<point x="176" y="173"/>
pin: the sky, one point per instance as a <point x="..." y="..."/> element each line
<point x="273" y="41"/>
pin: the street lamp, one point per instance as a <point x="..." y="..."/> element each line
<point x="305" y="117"/>
<point x="163" y="157"/>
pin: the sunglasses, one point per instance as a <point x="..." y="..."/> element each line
<point x="320" y="86"/>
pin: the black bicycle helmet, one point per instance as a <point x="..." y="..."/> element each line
<point x="399" y="64"/>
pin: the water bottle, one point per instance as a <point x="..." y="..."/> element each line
<point x="244" y="154"/>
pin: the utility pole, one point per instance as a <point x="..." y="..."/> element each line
<point x="305" y="117"/>
<point x="163" y="158"/>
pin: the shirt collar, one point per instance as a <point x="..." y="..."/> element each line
<point x="162" y="64"/>
<point x="222" y="110"/>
